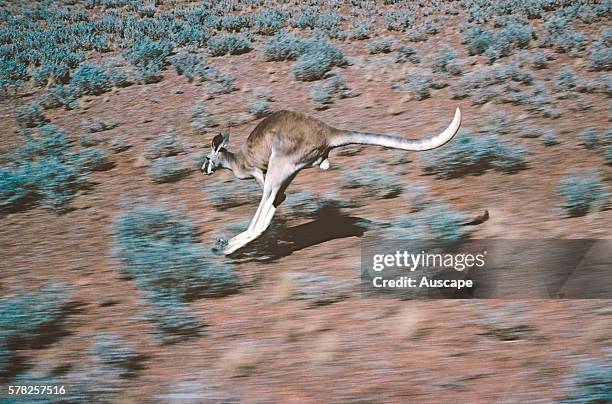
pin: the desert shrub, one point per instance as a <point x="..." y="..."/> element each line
<point x="165" y="145"/>
<point x="90" y="140"/>
<point x="191" y="66"/>
<point x="407" y="53"/>
<point x="232" y="44"/>
<point x="581" y="191"/>
<point x="442" y="58"/>
<point x="468" y="154"/>
<point x="495" y="44"/>
<point x="269" y="21"/>
<point x="374" y="182"/>
<point x="94" y="159"/>
<point x="98" y="124"/>
<point x="550" y="138"/>
<point x="399" y="20"/>
<point x="158" y="250"/>
<point x="284" y="46"/>
<point x="32" y="319"/>
<point x="566" y="80"/>
<point x="600" y="58"/>
<point x="120" y="143"/>
<point x="229" y="194"/>
<point x="223" y="84"/>
<point x="168" y="169"/>
<point x="590" y="138"/>
<point x="333" y="88"/>
<point x="591" y="382"/>
<point x="419" y="85"/>
<point x="379" y="45"/>
<point x="174" y="320"/>
<point x="436" y="221"/>
<point x="29" y="116"/>
<point x="115" y="353"/>
<point x="149" y="56"/>
<point x="90" y="80"/>
<point x="361" y="31"/>
<point x="201" y="119"/>
<point x="260" y="106"/>
<point x="233" y="23"/>
<point x="318" y="58"/>
<point x="44" y="171"/>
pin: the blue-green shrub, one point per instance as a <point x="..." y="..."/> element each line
<point x="591" y="382"/>
<point x="44" y="171"/>
<point x="31" y="319"/>
<point x="29" y="116"/>
<point x="159" y="251"/>
<point x="581" y="191"/>
<point x="442" y="58"/>
<point x="94" y="159"/>
<point x="115" y="353"/>
<point x="90" y="80"/>
<point x="590" y="138"/>
<point x="379" y="45"/>
<point x="468" y="154"/>
<point x="436" y="221"/>
<point x="168" y="169"/>
<point x="407" y="53"/>
<point x="232" y="44"/>
<point x="374" y="182"/>
<point x="149" y="56"/>
<point x="318" y="58"/>
<point x="269" y="21"/>
<point x="284" y="46"/>
<point x="229" y="194"/>
<point x="191" y="66"/>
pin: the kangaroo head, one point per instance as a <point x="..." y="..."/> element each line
<point x="215" y="158"/>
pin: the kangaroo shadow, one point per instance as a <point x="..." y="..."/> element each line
<point x="281" y="240"/>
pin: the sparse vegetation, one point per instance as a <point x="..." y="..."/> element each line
<point x="260" y="107"/>
<point x="470" y="154"/>
<point x="591" y="382"/>
<point x="229" y="44"/>
<point x="333" y="88"/>
<point x="380" y="45"/>
<point x="158" y="249"/>
<point x="581" y="191"/>
<point x="374" y="182"/>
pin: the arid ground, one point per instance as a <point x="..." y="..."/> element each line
<point x="533" y="84"/>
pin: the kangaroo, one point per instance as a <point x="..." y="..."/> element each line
<point x="284" y="143"/>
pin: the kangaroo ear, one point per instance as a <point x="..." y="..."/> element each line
<point x="226" y="136"/>
<point x="217" y="142"/>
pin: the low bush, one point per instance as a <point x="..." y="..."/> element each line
<point x="229" y="194"/>
<point x="472" y="155"/>
<point x="120" y="143"/>
<point x="581" y="191"/>
<point x="284" y="46"/>
<point x="30" y="116"/>
<point x="600" y="58"/>
<point x="269" y="21"/>
<point x="30" y="320"/>
<point x="168" y="169"/>
<point x="374" y="182"/>
<point x="419" y="85"/>
<point x="495" y="44"/>
<point x="97" y="124"/>
<point x="436" y="221"/>
<point x="590" y="138"/>
<point x="333" y="88"/>
<point x="442" y="59"/>
<point x="380" y="45"/>
<point x="44" y="171"/>
<point x="165" y="145"/>
<point x="232" y="44"/>
<point x="318" y="58"/>
<point x="201" y="119"/>
<point x="408" y="54"/>
<point x="591" y="382"/>
<point x="192" y="66"/>
<point x="90" y="80"/>
<point x="115" y="353"/>
<point x="94" y="159"/>
<point x="260" y="106"/>
<point x="158" y="250"/>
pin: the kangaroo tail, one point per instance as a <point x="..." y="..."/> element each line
<point x="396" y="142"/>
